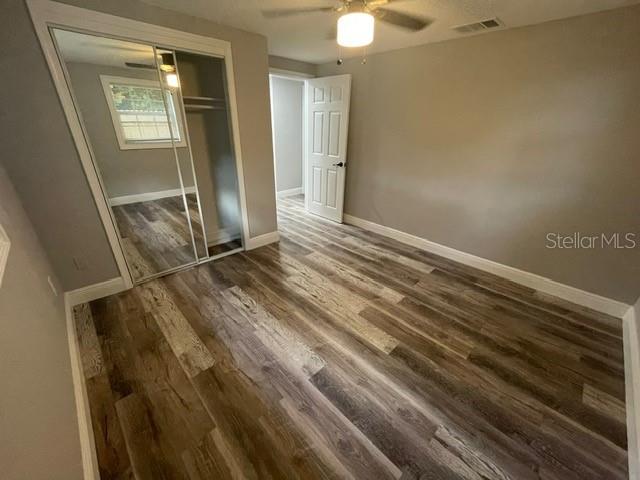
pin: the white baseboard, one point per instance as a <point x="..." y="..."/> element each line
<point x="531" y="280"/>
<point x="145" y="197"/>
<point x="261" y="240"/>
<point x="85" y="429"/>
<point x="98" y="290"/>
<point x="87" y="440"/>
<point x="632" y="387"/>
<point x="290" y="192"/>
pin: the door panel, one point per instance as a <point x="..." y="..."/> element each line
<point x="327" y="126"/>
<point x="318" y="123"/>
<point x="332" y="184"/>
<point x="316" y="194"/>
<point x="334" y="134"/>
<point x="318" y="95"/>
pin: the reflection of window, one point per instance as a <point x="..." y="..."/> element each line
<point x="139" y="115"/>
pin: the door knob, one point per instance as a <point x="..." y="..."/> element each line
<point x="339" y="164"/>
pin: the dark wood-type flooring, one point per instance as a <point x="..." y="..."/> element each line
<point x="338" y="353"/>
<point x="156" y="237"/>
<point x="224" y="247"/>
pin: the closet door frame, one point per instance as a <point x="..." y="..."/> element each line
<point x="47" y="14"/>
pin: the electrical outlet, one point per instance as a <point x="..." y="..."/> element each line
<point x="80" y="263"/>
<point x="53" y="287"/>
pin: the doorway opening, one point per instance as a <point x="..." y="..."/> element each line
<point x="310" y="119"/>
<point x="288" y="122"/>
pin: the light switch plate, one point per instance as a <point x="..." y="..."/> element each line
<point x="4" y="251"/>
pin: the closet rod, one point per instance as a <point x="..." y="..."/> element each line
<point x="203" y="99"/>
<point x="202" y="107"/>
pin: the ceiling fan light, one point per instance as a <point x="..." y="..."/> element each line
<point x="355" y="29"/>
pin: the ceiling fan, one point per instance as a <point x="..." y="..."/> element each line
<point x="357" y="18"/>
<point x="167" y="66"/>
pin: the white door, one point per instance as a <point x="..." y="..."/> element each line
<point x="327" y="102"/>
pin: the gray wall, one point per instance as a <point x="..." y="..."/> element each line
<point x="40" y="157"/>
<point x="283" y="63"/>
<point x="286" y="104"/>
<point x="39" y="438"/>
<point x="42" y="161"/>
<point x="124" y="172"/>
<point x="485" y="144"/>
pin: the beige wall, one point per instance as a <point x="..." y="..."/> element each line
<point x="282" y="63"/>
<point x="42" y="161"/>
<point x="286" y="103"/>
<point x="486" y="143"/>
<point x="124" y="172"/>
<point x="38" y="423"/>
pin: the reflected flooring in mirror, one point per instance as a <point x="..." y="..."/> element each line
<point x="224" y="247"/>
<point x="155" y="234"/>
<point x="339" y="353"/>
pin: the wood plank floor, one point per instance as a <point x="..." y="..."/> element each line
<point x="155" y="234"/>
<point x="156" y="237"/>
<point x="338" y="353"/>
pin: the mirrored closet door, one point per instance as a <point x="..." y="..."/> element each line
<point x="204" y="98"/>
<point x="156" y="123"/>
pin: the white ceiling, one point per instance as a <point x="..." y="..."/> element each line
<point x="304" y="37"/>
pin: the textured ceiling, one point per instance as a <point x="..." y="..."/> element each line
<point x="305" y="37"/>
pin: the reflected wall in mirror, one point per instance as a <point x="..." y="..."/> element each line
<point x="135" y="129"/>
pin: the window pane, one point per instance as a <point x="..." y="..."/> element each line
<point x="137" y="98"/>
<point x="142" y="113"/>
<point x="163" y="131"/>
<point x="131" y="132"/>
<point x="149" y="132"/>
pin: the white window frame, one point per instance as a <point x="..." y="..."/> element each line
<point x="107" y="81"/>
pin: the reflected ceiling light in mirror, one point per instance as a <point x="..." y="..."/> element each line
<point x="168" y="66"/>
<point x="172" y="80"/>
<point x="167" y="63"/>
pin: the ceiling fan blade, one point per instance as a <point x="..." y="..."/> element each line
<point x="289" y="12"/>
<point x="140" y="65"/>
<point x="402" y="20"/>
<point x="378" y="3"/>
<point x="332" y="34"/>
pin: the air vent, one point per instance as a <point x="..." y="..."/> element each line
<point x="479" y="26"/>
